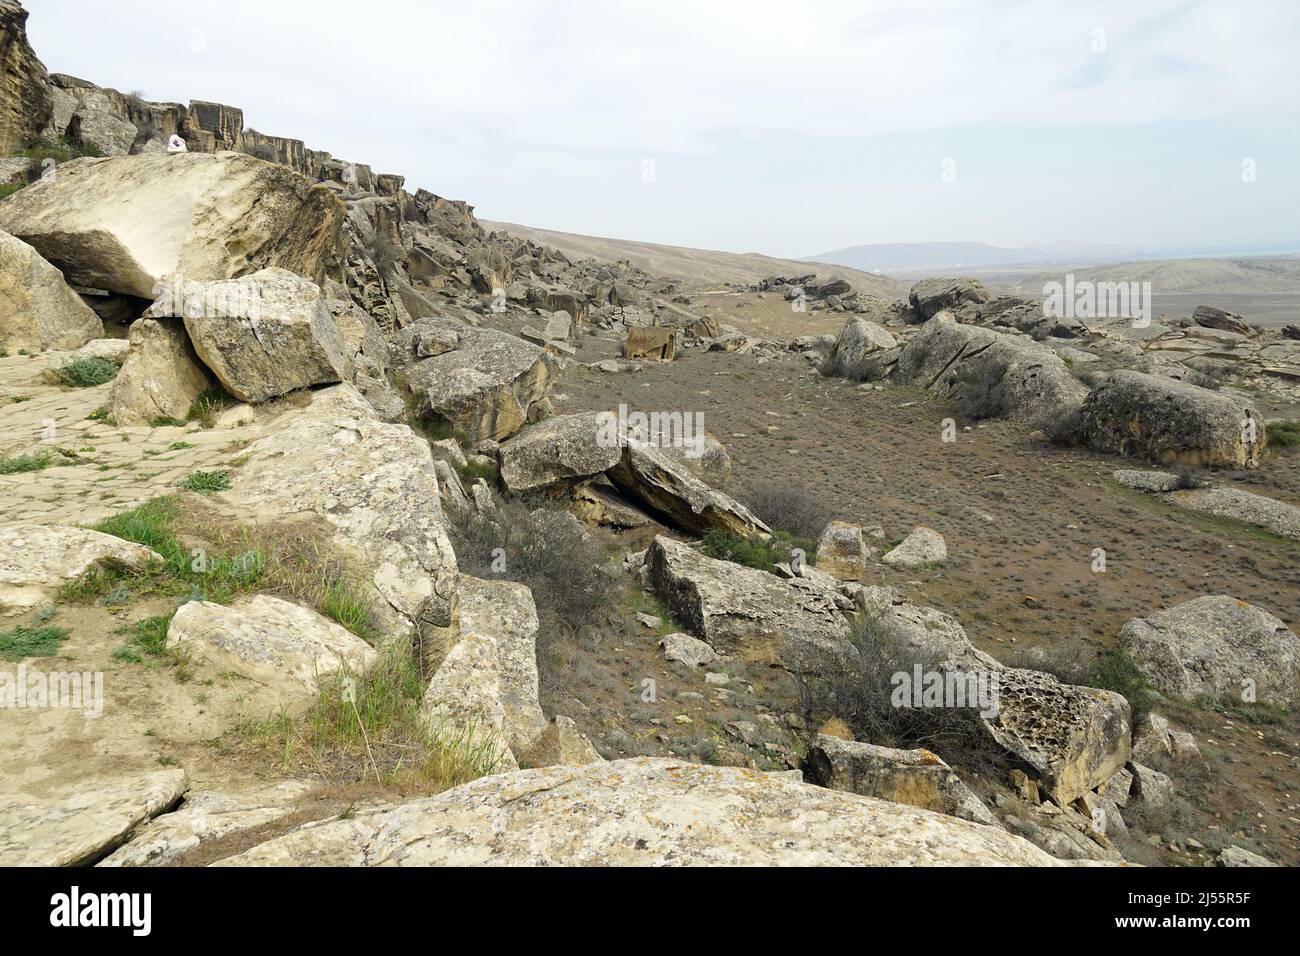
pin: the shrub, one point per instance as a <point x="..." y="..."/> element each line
<point x="799" y="511"/>
<point x="1114" y="670"/>
<point x="1283" y="434"/>
<point x="752" y="552"/>
<point x="209" y="405"/>
<point x="25" y="463"/>
<point x="207" y="482"/>
<point x="86" y="373"/>
<point x="22" y="642"/>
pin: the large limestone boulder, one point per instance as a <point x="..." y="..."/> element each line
<point x="1209" y="317"/>
<point x="561" y="450"/>
<point x="1219" y="647"/>
<point x="263" y="335"/>
<point x="25" y="96"/>
<point x="507" y="611"/>
<point x="842" y="551"/>
<point x="126" y="223"/>
<point x="161" y="376"/>
<point x="747" y="613"/>
<point x="276" y="644"/>
<point x="929" y="297"/>
<point x="374" y="484"/>
<point x="924" y="547"/>
<point x="1074" y="739"/>
<point x="482" y="382"/>
<point x="205" y="817"/>
<point x="462" y="703"/>
<point x="922" y="634"/>
<point x="83" y="822"/>
<point x="858" y="351"/>
<point x="915" y="777"/>
<point x="645" y="813"/>
<point x="992" y="374"/>
<point x="38" y="312"/>
<point x="1169" y="422"/>
<point x="665" y="488"/>
<point x="36" y="560"/>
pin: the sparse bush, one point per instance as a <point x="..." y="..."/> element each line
<point x="979" y="383"/>
<point x="207" y="482"/>
<point x="22" y="642"/>
<point x="209" y="405"/>
<point x="1283" y="434"/>
<point x="86" y="373"/>
<point x="752" y="552"/>
<point x="799" y="511"/>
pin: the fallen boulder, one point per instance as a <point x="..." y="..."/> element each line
<point x="462" y="703"/>
<point x="263" y="335"/>
<point x="38" y="312"/>
<point x="1170" y="422"/>
<point x="924" y="547"/>
<point x="842" y="551"/>
<point x="161" y="377"/>
<point x="36" y="560"/>
<point x="125" y="224"/>
<point x="915" y="777"/>
<point x="644" y="813"/>
<point x="1217" y="647"/>
<point x="860" y="351"/>
<point x="562" y="450"/>
<point x="929" y="297"/>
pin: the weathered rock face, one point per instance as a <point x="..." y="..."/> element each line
<point x="704" y="456"/>
<point x="262" y="335"/>
<point x="90" y="115"/>
<point x="651" y="343"/>
<point x="484" y="383"/>
<point x="1073" y="738"/>
<point x="992" y="374"/>
<point x="562" y="745"/>
<point x="652" y="478"/>
<point x="746" y="613"/>
<point x="684" y="649"/>
<point x="36" y="560"/>
<point x="924" y="634"/>
<point x="125" y="224"/>
<point x="374" y="483"/>
<point x="645" y="813"/>
<point x="25" y="100"/>
<point x="78" y="825"/>
<point x="161" y="376"/>
<point x="1170" y="422"/>
<point x="561" y="450"/>
<point x="205" y="817"/>
<point x="1218" y="647"/>
<point x="37" y="309"/>
<point x="922" y="548"/>
<point x="506" y="610"/>
<point x="1208" y="317"/>
<point x="858" y="354"/>
<point x="915" y="777"/>
<point x="279" y="645"/>
<point x="842" y="551"/>
<point x="463" y="701"/>
<point x="929" y="297"/>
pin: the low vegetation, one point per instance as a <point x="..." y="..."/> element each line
<point x="207" y="482"/>
<point x="1284" y="434"/>
<point x="86" y="373"/>
<point x="36" y="640"/>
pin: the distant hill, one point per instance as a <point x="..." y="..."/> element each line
<point x="915" y="258"/>
<point x="1254" y="276"/>
<point x="698" y="267"/>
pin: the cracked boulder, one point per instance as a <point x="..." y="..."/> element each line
<point x="161" y="377"/>
<point x="36" y="560"/>
<point x="38" y="311"/>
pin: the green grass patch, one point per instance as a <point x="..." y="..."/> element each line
<point x="8" y="190"/>
<point x="60" y="150"/>
<point x="205" y="409"/>
<point x="1283" y="434"/>
<point x="86" y="373"/>
<point x="22" y="642"/>
<point x="207" y="482"/>
<point x="24" y="463"/>
<point x="165" y="421"/>
<point x="100" y="415"/>
<point x="1114" y="670"/>
<point x="471" y="472"/>
<point x="148" y="640"/>
<point x="751" y="552"/>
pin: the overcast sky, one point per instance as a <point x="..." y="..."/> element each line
<point x="788" y="128"/>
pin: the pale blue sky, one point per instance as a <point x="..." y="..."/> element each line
<point x="785" y="128"/>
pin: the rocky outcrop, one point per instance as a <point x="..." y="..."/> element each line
<point x="1170" y="422"/>
<point x="1216" y="647"/>
<point x="161" y="376"/>
<point x="1208" y="317"/>
<point x="1074" y="739"/>
<point x="915" y="777"/>
<point x="1279" y="517"/>
<point x="25" y="99"/>
<point x="929" y="297"/>
<point x="79" y="824"/>
<point x="653" y="344"/>
<point x="38" y="312"/>
<point x="922" y="634"/>
<point x="128" y="223"/>
<point x="204" y="818"/>
<point x="262" y="335"/>
<point x="746" y="613"/>
<point x="291" y="649"/>
<point x="36" y="560"/>
<point x="864" y="351"/>
<point x="483" y="383"/>
<point x="644" y="813"/>
<point x="374" y="484"/>
<point x="990" y="374"/>
<point x="561" y="450"/>
<point x="506" y="610"/>
<point x="684" y="649"/>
